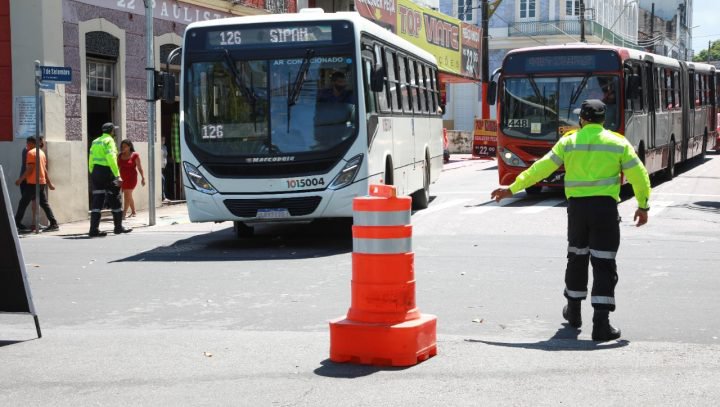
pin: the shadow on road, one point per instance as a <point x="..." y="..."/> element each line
<point x="565" y="339"/>
<point x="269" y="243"/>
<point x="352" y="371"/>
<point x="7" y="343"/>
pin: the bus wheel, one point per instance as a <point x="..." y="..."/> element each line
<point x="421" y="198"/>
<point x="242" y="230"/>
<point x="533" y="190"/>
<point x="670" y="169"/>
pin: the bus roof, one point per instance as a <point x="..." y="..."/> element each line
<point x="361" y="25"/>
<point x="625" y="53"/>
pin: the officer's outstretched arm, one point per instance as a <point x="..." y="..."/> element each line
<point x="540" y="170"/>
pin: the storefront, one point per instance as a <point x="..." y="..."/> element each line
<point x="103" y="41"/>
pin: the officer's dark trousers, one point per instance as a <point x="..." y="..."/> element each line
<point x="593" y="237"/>
<point x="102" y="189"/>
<point x="28" y="194"/>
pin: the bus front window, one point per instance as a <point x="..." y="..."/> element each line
<point x="270" y="107"/>
<point x="545" y="108"/>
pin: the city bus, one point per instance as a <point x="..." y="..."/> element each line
<point x="666" y="108"/>
<point x="288" y="117"/>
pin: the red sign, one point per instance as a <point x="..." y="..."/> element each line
<point x="381" y="12"/>
<point x="485" y="139"/>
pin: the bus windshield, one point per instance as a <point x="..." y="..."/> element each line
<point x="265" y="107"/>
<point x="544" y="108"/>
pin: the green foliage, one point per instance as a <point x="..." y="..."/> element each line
<point x="702" y="56"/>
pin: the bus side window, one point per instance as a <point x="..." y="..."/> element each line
<point x="404" y="85"/>
<point x="370" y="104"/>
<point x="392" y="82"/>
<point x="421" y="87"/>
<point x="382" y="96"/>
<point x="657" y="89"/>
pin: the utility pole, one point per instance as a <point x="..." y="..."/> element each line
<point x="582" y="21"/>
<point x="150" y="69"/>
<point x="485" y="63"/>
<point x="652" y="27"/>
<point x="708" y="53"/>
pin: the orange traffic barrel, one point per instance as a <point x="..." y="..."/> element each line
<point x="383" y="325"/>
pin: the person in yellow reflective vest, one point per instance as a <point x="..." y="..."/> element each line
<point x="594" y="159"/>
<point x="106" y="181"/>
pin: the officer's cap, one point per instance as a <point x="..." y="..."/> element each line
<point x="592" y="110"/>
<point x="108" y="127"/>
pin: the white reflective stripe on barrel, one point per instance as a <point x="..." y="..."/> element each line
<point x="382" y="246"/>
<point x="381" y="218"/>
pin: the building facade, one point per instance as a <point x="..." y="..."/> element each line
<point x="528" y="23"/>
<point x="665" y="27"/>
<point x="103" y="41"/>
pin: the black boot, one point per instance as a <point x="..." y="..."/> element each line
<point x="95" y="225"/>
<point x="602" y="330"/>
<point x="571" y="312"/>
<point x="117" y="220"/>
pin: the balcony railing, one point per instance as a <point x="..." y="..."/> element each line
<point x="569" y="29"/>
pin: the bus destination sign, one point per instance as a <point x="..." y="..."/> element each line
<point x="239" y="37"/>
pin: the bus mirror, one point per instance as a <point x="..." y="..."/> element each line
<point x="491" y="93"/>
<point x="377" y="80"/>
<point x="168" y="87"/>
<point x="634" y="87"/>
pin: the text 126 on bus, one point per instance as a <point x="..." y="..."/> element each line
<point x="664" y="107"/>
<point x="288" y="117"/>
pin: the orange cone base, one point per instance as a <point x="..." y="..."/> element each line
<point x="402" y="344"/>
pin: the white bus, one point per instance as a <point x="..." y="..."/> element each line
<point x="288" y="117"/>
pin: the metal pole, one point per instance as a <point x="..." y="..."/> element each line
<point x="652" y="28"/>
<point x="582" y="21"/>
<point x="150" y="57"/>
<point x="38" y="162"/>
<point x="485" y="60"/>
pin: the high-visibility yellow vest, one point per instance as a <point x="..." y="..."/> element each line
<point x="104" y="152"/>
<point x="593" y="158"/>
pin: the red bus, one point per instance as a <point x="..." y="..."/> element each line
<point x="666" y="108"/>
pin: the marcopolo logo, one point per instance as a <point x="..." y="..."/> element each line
<point x="259" y="160"/>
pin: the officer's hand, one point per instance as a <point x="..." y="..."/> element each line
<point x="641" y="217"/>
<point x="117" y="181"/>
<point x="501" y="193"/>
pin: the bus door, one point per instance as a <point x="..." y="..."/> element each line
<point x="637" y="123"/>
<point x="689" y="112"/>
<point x="651" y="83"/>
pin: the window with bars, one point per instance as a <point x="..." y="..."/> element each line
<point x="572" y="7"/>
<point x="100" y="78"/>
<point x="465" y="9"/>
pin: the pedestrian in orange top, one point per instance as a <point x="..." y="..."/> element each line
<point x="30" y="176"/>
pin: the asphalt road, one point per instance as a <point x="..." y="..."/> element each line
<point x="186" y="314"/>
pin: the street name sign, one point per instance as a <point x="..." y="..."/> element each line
<point x="55" y="74"/>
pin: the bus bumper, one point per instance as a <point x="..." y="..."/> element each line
<point x="301" y="206"/>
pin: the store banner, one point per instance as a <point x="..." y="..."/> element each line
<point x="380" y="12"/>
<point x="455" y="44"/>
<point x="485" y="138"/>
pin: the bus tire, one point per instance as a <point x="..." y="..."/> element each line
<point x="421" y="197"/>
<point x="670" y="169"/>
<point x="242" y="230"/>
<point x="533" y="190"/>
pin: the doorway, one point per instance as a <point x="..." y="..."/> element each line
<point x="170" y="137"/>
<point x="99" y="112"/>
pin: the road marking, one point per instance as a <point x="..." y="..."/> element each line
<point x="681" y="194"/>
<point x="658" y="206"/>
<point x="541" y="206"/>
<point x="476" y="210"/>
<point x="439" y="207"/>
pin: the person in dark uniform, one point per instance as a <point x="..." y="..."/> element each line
<point x="338" y="92"/>
<point x="106" y="181"/>
<point x="594" y="159"/>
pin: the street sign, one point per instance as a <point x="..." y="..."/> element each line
<point x="55" y="73"/>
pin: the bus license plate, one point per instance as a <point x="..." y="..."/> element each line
<point x="274" y="213"/>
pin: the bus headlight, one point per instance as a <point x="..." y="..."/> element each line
<point x="348" y="173"/>
<point x="511" y="159"/>
<point x="197" y="180"/>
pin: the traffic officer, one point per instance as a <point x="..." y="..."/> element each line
<point x="106" y="181"/>
<point x="593" y="158"/>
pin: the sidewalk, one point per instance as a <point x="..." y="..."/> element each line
<point x="172" y="212"/>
